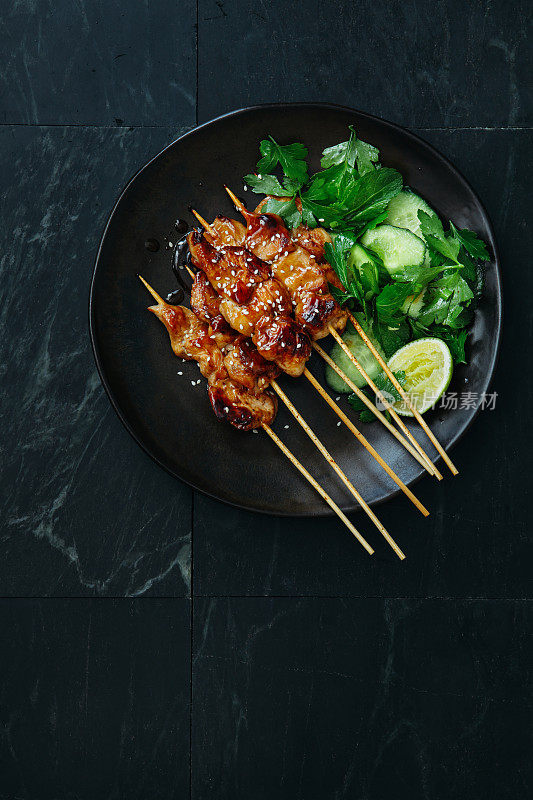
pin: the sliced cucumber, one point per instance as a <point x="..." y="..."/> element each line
<point x="359" y="349"/>
<point x="365" y="263"/>
<point x="397" y="247"/>
<point x="358" y="256"/>
<point x="403" y="212"/>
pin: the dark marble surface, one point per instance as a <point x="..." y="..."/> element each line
<point x="84" y="511"/>
<point x="314" y="671"/>
<point x="418" y="64"/>
<point x="366" y="699"/>
<point x="98" y="62"/>
<point x="94" y="699"/>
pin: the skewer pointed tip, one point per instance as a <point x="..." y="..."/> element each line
<point x="203" y="222"/>
<point x="153" y="292"/>
<point x="236" y="202"/>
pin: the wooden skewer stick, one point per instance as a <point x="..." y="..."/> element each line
<point x="371" y="407"/>
<point x="322" y="492"/>
<point x="292" y="458"/>
<point x="403" y="394"/>
<point x="329" y="458"/>
<point x="366" y="444"/>
<point x="405" y="430"/>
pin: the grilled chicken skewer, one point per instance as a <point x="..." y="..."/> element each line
<point x="206" y="305"/>
<point x="314" y="316"/>
<point x="190" y="339"/>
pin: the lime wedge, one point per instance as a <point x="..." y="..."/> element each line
<point x="428" y="367"/>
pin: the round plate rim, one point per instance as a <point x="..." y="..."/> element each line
<point x="327" y="512"/>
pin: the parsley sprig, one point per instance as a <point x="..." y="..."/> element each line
<point x="349" y="193"/>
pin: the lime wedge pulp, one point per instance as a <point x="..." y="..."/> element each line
<point x="428" y="368"/>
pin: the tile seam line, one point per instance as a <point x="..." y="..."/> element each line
<point x="189" y="598"/>
<point x="133" y="126"/>
<point x="362" y="597"/>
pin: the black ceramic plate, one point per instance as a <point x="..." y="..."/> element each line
<point x="169" y="416"/>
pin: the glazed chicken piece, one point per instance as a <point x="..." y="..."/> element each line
<point x="189" y="339"/>
<point x="246" y="365"/>
<point x="233" y="272"/>
<point x="231" y="401"/>
<point x="241" y="408"/>
<point x="205" y="304"/>
<point x="269" y="300"/>
<point x="243" y="362"/>
<point x="265" y="313"/>
<point x="312" y="240"/>
<point x="229" y="232"/>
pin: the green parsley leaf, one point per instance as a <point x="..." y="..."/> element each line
<point x="420" y="276"/>
<point x="371" y="194"/>
<point x="291" y="158"/>
<point x="433" y="233"/>
<point x="454" y="339"/>
<point x="336" y="256"/>
<point x="391" y="334"/>
<point x="330" y="216"/>
<point x="385" y="385"/>
<point x="444" y="301"/>
<point x="456" y="343"/>
<point x="354" y="151"/>
<point x="266" y="184"/>
<point x="337" y="260"/>
<point x="471" y="243"/>
<point x="307" y="215"/>
<point x="391" y="299"/>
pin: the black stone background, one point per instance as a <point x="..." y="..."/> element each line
<point x="153" y="642"/>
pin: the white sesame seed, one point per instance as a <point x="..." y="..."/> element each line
<point x="338" y="423"/>
<point x="180" y="373"/>
<point x="286" y="427"/>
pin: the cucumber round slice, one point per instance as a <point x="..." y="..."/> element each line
<point x="397" y="247"/>
<point x="358" y="256"/>
<point x="428" y="368"/>
<point x="359" y="349"/>
<point x="403" y="212"/>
